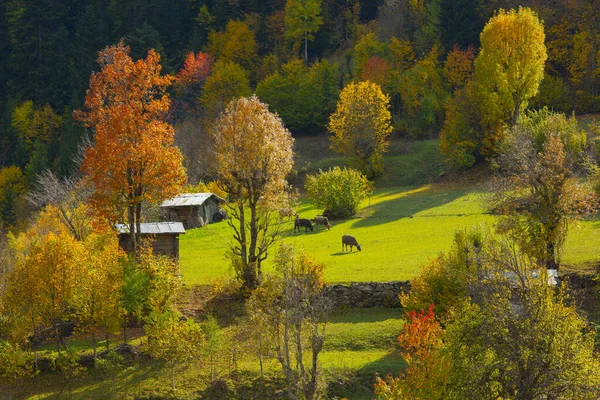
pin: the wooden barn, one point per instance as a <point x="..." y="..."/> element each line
<point x="193" y="209"/>
<point x="164" y="234"/>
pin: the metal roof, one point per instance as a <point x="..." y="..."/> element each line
<point x="190" y="199"/>
<point x="154" y="228"/>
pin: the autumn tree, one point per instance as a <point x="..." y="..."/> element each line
<point x="473" y="128"/>
<point x="43" y="285"/>
<point x="427" y="372"/>
<point x="133" y="159"/>
<point x="510" y="64"/>
<point x="100" y="304"/>
<point x="291" y="311"/>
<point x="12" y="191"/>
<point x="253" y="158"/>
<point x="303" y="97"/>
<point x="497" y="299"/>
<point x="423" y="97"/>
<point x="536" y="188"/>
<point x="39" y="128"/>
<point x="361" y="125"/>
<point x="175" y="340"/>
<point x="15" y="367"/>
<point x="377" y="70"/>
<point x="236" y="44"/>
<point x="517" y="309"/>
<point x="302" y="20"/>
<point x="338" y="191"/>
<point x="66" y="196"/>
<point x="227" y="81"/>
<point x="459" y="67"/>
<point x="190" y="79"/>
<point x="366" y="47"/>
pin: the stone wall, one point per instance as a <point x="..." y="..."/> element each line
<point x="367" y="294"/>
<point x="583" y="288"/>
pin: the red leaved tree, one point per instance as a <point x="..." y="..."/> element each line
<point x="190" y="79"/>
<point x="133" y="158"/>
<point x="427" y="370"/>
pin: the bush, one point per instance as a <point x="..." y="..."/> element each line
<point x="338" y="191"/>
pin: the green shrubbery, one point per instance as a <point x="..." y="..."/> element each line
<point x="338" y="191"/>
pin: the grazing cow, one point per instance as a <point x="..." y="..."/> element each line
<point x="287" y="212"/>
<point x="302" y="222"/>
<point x="348" y="240"/>
<point x="322" y="220"/>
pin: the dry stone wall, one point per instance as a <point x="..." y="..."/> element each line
<point x="367" y="294"/>
<point x="584" y="289"/>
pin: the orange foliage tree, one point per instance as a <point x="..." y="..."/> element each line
<point x="133" y="159"/>
<point x="459" y="67"/>
<point x="190" y="79"/>
<point x="377" y="70"/>
<point x="426" y="374"/>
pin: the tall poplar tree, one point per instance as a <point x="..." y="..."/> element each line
<point x="302" y="21"/>
<point x="510" y="65"/>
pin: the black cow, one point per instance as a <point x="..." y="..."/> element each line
<point x="302" y="222"/>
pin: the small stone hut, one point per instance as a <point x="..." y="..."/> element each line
<point x="165" y="237"/>
<point x="193" y="209"/>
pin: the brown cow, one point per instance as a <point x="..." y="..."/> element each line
<point x="348" y="240"/>
<point x="322" y="220"/>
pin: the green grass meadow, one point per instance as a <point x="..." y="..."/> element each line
<point x="398" y="232"/>
<point x="405" y="223"/>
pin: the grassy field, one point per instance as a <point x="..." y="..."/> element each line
<point x="399" y="228"/>
<point x="399" y="231"/>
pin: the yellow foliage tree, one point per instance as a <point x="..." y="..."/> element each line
<point x="361" y="126"/>
<point x="511" y="62"/>
<point x="174" y="340"/>
<point x="54" y="276"/>
<point x="255" y="155"/>
<point x="236" y="44"/>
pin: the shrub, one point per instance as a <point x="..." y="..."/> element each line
<point x="338" y="191"/>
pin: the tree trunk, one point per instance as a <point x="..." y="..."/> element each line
<point x="57" y="338"/>
<point x="106" y="337"/>
<point x="138" y="221"/>
<point x="306" y="47"/>
<point x="260" y="358"/>
<point x="125" y="330"/>
<point x="516" y="113"/>
<point x="132" y="228"/>
<point x="173" y="376"/>
<point x="252" y="257"/>
<point x="551" y="256"/>
<point x="94" y="343"/>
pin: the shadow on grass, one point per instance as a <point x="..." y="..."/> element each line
<point x="363" y="315"/>
<point x="343" y="253"/>
<point x="391" y="363"/>
<point x="360" y="384"/>
<point x="289" y="231"/>
<point x="96" y="385"/>
<point x="406" y="203"/>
